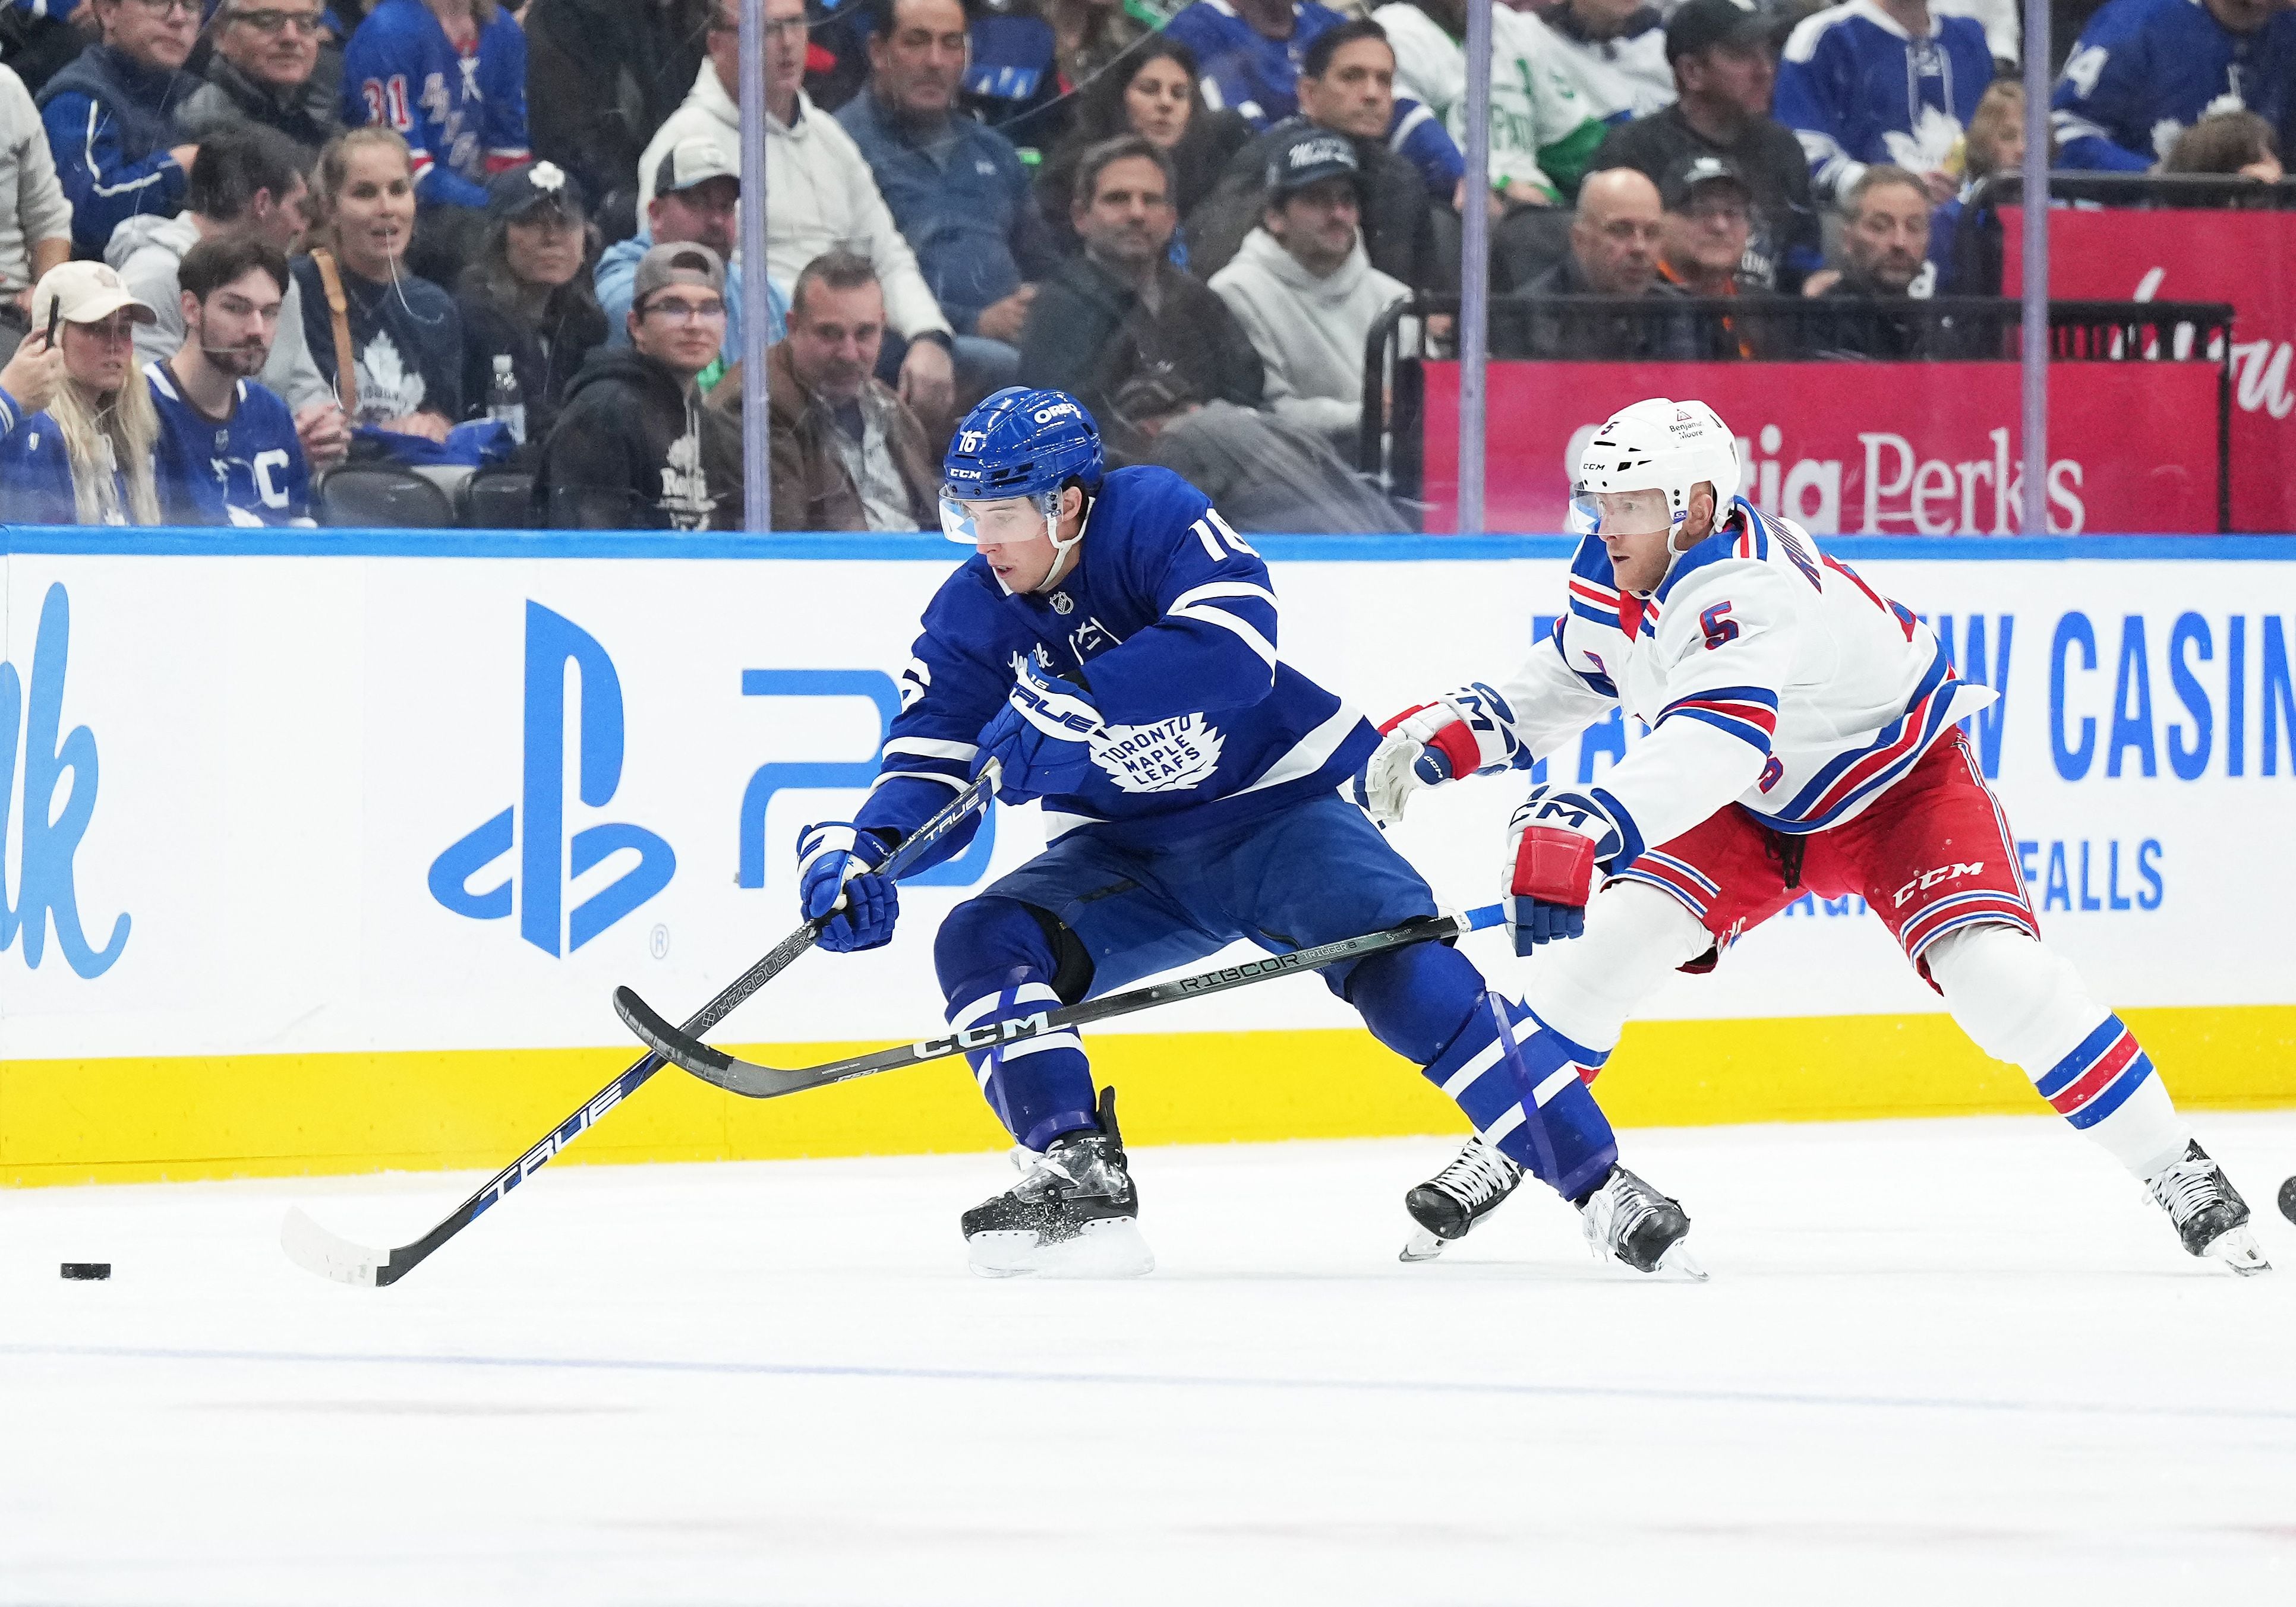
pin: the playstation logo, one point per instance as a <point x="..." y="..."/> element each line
<point x="548" y="861"/>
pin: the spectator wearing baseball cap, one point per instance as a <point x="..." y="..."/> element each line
<point x="1346" y="87"/>
<point x="528" y="297"/>
<point x="1304" y="290"/>
<point x="88" y="457"/>
<point x="1120" y="307"/>
<point x="1703" y="240"/>
<point x="697" y="194"/>
<point x="634" y="449"/>
<point x="1724" y="57"/>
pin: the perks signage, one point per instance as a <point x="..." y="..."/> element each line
<point x="1862" y="449"/>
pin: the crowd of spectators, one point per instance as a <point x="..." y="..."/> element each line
<point x="248" y="245"/>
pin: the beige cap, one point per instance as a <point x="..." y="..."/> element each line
<point x="88" y="292"/>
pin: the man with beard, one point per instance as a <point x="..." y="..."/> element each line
<point x="1120" y="308"/>
<point x="1885" y="265"/>
<point x="227" y="451"/>
<point x="847" y="454"/>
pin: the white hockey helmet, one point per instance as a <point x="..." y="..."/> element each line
<point x="1657" y="446"/>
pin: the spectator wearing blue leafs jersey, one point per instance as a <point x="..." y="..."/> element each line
<point x="1882" y="81"/>
<point x="449" y="76"/>
<point x="227" y="452"/>
<point x="1251" y="51"/>
<point x="110" y="117"/>
<point x="2145" y="71"/>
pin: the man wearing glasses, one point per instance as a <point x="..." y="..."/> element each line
<point x="633" y="447"/>
<point x="265" y="54"/>
<point x="111" y="117"/>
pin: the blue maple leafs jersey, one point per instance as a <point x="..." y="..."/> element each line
<point x="1858" y="89"/>
<point x="1170" y="621"/>
<point x="2145" y="71"/>
<point x="1242" y="69"/>
<point x="246" y="470"/>
<point x="464" y="115"/>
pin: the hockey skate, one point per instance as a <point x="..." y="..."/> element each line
<point x="1455" y="1199"/>
<point x="2210" y="1215"/>
<point x="1074" y="1214"/>
<point x="1628" y="1218"/>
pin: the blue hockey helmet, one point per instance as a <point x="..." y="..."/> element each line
<point x="1018" y="443"/>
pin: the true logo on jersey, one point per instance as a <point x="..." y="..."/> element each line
<point x="1062" y="603"/>
<point x="1170" y="756"/>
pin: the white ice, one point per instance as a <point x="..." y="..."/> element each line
<point x="1959" y="1362"/>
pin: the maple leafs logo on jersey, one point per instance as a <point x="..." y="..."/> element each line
<point x="388" y="389"/>
<point x="1170" y="756"/>
<point x="1934" y="135"/>
<point x="686" y="485"/>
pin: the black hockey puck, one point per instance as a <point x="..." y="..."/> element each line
<point x="2288" y="1199"/>
<point x="87" y="1272"/>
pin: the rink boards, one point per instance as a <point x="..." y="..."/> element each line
<point x="323" y="851"/>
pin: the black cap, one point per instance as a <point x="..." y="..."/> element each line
<point x="1686" y="177"/>
<point x="1702" y="23"/>
<point x="1310" y="157"/>
<point x="511" y="195"/>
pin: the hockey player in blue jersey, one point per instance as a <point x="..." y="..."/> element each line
<point x="450" y="76"/>
<point x="2145" y="71"/>
<point x="227" y="452"/>
<point x="1111" y="644"/>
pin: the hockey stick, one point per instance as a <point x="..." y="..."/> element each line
<point x="316" y="1250"/>
<point x="753" y="1081"/>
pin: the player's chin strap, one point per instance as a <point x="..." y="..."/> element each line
<point x="1058" y="571"/>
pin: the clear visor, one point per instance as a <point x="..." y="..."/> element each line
<point x="1585" y="515"/>
<point x="1007" y="520"/>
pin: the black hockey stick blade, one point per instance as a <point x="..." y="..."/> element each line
<point x="330" y="1256"/>
<point x="685" y="1049"/>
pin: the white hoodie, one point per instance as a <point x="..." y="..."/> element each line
<point x="147" y="250"/>
<point x="1309" y="333"/>
<point x="819" y="195"/>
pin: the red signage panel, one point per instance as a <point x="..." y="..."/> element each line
<point x="1870" y="448"/>
<point x="2247" y="258"/>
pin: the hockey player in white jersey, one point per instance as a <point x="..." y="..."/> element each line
<point x="1802" y="739"/>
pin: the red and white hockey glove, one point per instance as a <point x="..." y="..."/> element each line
<point x="1462" y="732"/>
<point x="1556" y="843"/>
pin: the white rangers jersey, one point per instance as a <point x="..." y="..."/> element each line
<point x="1770" y="676"/>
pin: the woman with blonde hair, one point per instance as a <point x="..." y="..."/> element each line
<point x="389" y="343"/>
<point x="87" y="458"/>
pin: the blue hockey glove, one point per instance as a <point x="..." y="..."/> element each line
<point x="836" y="866"/>
<point x="1042" y="736"/>
<point x="1556" y="841"/>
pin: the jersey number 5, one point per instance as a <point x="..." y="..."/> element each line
<point x="1719" y="627"/>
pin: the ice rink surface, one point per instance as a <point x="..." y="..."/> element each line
<point x="1958" y="1361"/>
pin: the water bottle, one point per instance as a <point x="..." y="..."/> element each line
<point x="504" y="405"/>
